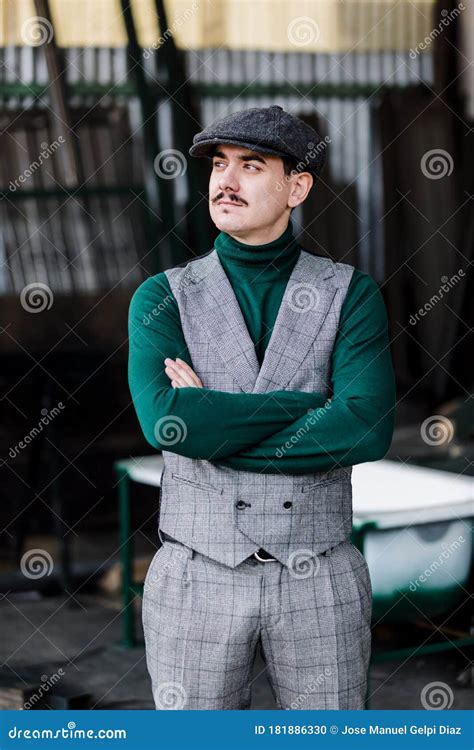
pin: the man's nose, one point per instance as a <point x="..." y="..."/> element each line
<point x="228" y="179"/>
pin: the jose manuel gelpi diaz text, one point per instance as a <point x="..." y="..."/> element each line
<point x="403" y="729"/>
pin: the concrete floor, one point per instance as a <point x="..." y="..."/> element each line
<point x="81" y="636"/>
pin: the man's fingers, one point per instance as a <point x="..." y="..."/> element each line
<point x="177" y="372"/>
<point x="188" y="371"/>
<point x="185" y="365"/>
<point x="181" y="373"/>
<point x="180" y="369"/>
<point x="178" y="378"/>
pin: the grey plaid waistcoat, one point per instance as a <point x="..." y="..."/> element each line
<point x="228" y="514"/>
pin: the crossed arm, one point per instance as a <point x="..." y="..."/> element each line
<point x="183" y="416"/>
<point x="357" y="425"/>
<point x="272" y="432"/>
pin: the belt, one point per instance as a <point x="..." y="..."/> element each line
<point x="261" y="555"/>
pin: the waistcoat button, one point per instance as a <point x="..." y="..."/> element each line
<point x="288" y="504"/>
<point x="240" y="504"/>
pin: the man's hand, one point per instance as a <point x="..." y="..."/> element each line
<point x="181" y="374"/>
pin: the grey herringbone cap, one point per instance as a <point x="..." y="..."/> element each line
<point x="270" y="130"/>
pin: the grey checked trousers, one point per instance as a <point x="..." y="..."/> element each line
<point x="202" y="621"/>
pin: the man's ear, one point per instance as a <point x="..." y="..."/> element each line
<point x="302" y="184"/>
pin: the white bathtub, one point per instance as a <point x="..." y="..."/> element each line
<point x="414" y="526"/>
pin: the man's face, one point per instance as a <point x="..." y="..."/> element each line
<point x="247" y="189"/>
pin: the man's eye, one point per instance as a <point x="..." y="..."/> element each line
<point x="246" y="165"/>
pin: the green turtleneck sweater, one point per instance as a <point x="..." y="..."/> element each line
<point x="249" y="431"/>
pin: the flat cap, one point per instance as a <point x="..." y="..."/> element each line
<point x="269" y="130"/>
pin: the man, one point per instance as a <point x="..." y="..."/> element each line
<point x="263" y="373"/>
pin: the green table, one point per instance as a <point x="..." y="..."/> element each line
<point x="144" y="470"/>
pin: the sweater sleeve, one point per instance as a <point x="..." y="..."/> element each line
<point x="356" y="424"/>
<point x="195" y="422"/>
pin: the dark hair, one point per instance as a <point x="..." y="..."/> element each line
<point x="289" y="164"/>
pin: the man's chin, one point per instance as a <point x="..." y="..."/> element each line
<point x="228" y="222"/>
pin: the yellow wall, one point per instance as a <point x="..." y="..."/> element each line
<point x="285" y="25"/>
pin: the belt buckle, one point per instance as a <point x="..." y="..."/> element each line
<point x="263" y="559"/>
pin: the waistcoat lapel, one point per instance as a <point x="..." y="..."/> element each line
<point x="308" y="296"/>
<point x="307" y="299"/>
<point x="211" y="300"/>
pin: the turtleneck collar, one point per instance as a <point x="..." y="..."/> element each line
<point x="259" y="261"/>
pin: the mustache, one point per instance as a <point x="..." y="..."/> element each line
<point x="231" y="198"/>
